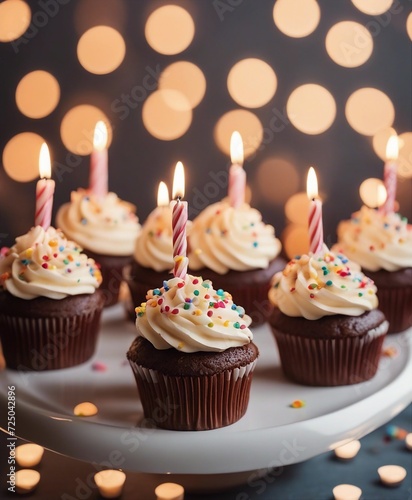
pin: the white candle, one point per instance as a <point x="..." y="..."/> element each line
<point x="169" y="491"/>
<point x="179" y="221"/>
<point x="44" y="190"/>
<point x="110" y="482"/>
<point x="346" y="492"/>
<point x="315" y="213"/>
<point x="237" y="175"/>
<point x="98" y="182"/>
<point x="348" y="451"/>
<point x="390" y="174"/>
<point x="29" y="454"/>
<point x="408" y="441"/>
<point x="26" y="480"/>
<point x="392" y="475"/>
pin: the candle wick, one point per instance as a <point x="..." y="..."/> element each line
<point x="178" y="198"/>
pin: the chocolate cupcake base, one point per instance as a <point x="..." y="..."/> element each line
<point x="395" y="297"/>
<point x="111" y="267"/>
<point x="195" y="391"/>
<point x="45" y="334"/>
<point x="331" y="351"/>
<point x="249" y="289"/>
<point x="139" y="280"/>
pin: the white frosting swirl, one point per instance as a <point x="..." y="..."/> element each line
<point x="106" y="226"/>
<point x="322" y="285"/>
<point x="45" y="264"/>
<point x="190" y="316"/>
<point x="224" y="238"/>
<point x="375" y="240"/>
<point x="154" y="246"/>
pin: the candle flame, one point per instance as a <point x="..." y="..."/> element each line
<point x="312" y="184"/>
<point x="162" y="195"/>
<point x="392" y="148"/>
<point x="44" y="162"/>
<point x="236" y="148"/>
<point x="100" y="136"/>
<point x="179" y="181"/>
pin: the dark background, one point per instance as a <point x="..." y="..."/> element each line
<point x="138" y="161"/>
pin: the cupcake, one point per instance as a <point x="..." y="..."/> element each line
<point x="107" y="229"/>
<point x="382" y="245"/>
<point x="153" y="256"/>
<point x="326" y="323"/>
<point x="50" y="305"/>
<point x="193" y="358"/>
<point x="238" y="252"/>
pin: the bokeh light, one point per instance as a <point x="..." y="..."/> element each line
<point x="37" y="94"/>
<point x="405" y="155"/>
<point x="169" y="29"/>
<point x="311" y="109"/>
<point x="21" y="156"/>
<point x="372" y="7"/>
<point x="297" y="208"/>
<point x="409" y="25"/>
<point x="349" y="44"/>
<point x="277" y="180"/>
<point x="372" y="192"/>
<point x="15" y="17"/>
<point x="380" y="140"/>
<point x="167" y="114"/>
<point x="295" y="239"/>
<point x="246" y="123"/>
<point x="369" y="110"/>
<point x="186" y="78"/>
<point x="77" y="128"/>
<point x="251" y="83"/>
<point x="296" y="18"/>
<point x="101" y="50"/>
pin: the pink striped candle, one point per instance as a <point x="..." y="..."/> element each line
<point x="237" y="175"/>
<point x="390" y="174"/>
<point x="179" y="221"/>
<point x="44" y="190"/>
<point x="98" y="181"/>
<point x="315" y="213"/>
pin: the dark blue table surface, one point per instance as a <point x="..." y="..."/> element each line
<point x="67" y="479"/>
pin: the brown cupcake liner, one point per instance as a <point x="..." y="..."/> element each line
<point x="49" y="343"/>
<point x="330" y="362"/>
<point x="396" y="304"/>
<point x="194" y="403"/>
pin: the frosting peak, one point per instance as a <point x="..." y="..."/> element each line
<point x="105" y="226"/>
<point x="375" y="240"/>
<point x="320" y="285"/>
<point x="224" y="238"/>
<point x="190" y="316"/>
<point x="43" y="263"/>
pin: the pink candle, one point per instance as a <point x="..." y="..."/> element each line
<point x="98" y="182"/>
<point x="44" y="190"/>
<point x="237" y="175"/>
<point x="390" y="174"/>
<point x="315" y="213"/>
<point x="179" y="221"/>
